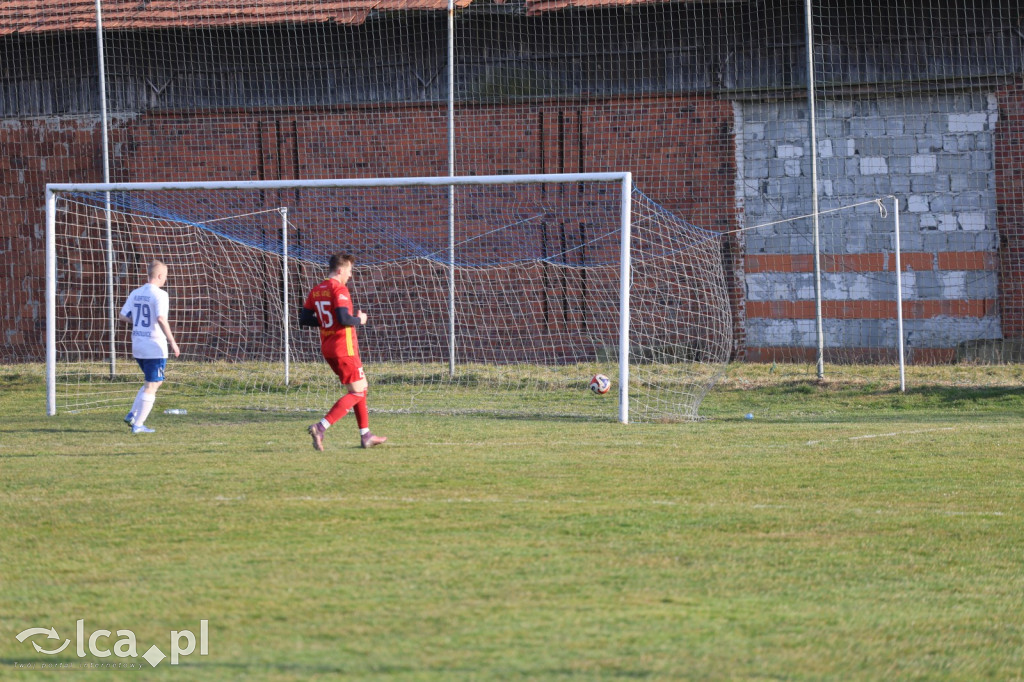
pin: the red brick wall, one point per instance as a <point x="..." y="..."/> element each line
<point x="34" y="152"/>
<point x="1009" y="165"/>
<point x="687" y="165"/>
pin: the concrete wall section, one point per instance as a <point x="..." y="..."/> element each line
<point x="936" y="154"/>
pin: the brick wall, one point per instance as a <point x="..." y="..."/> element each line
<point x="955" y="161"/>
<point x="35" y="152"/>
<point x="687" y="164"/>
<point x="1009" y="172"/>
<point x="681" y="150"/>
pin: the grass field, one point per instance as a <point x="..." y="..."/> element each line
<point x="846" y="532"/>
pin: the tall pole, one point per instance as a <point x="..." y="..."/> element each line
<point x="105" y="154"/>
<point x="451" y="188"/>
<point x="287" y="305"/>
<point x="812" y="115"/>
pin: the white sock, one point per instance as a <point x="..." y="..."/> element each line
<point x="147" y="404"/>
<point x="363" y="432"/>
<point x="137" y="405"/>
<point x="324" y="423"/>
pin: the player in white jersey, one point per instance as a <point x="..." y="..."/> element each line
<point x="146" y="310"/>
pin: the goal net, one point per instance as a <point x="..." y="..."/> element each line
<point x="501" y="293"/>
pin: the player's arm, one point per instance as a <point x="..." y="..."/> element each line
<point x="166" y="329"/>
<point x="307" y="318"/>
<point x="126" y="313"/>
<point x="349" y="320"/>
<point x="162" y="310"/>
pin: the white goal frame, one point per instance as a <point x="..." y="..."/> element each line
<point x="625" y="179"/>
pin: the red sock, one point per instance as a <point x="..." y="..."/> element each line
<point x="342" y="407"/>
<point x="362" y="414"/>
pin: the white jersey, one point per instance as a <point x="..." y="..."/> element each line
<point x="144" y="305"/>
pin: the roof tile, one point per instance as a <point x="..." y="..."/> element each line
<point x="541" y="6"/>
<point x="36" y="16"/>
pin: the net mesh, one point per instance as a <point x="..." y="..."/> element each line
<point x="536" y="290"/>
<point x="705" y="103"/>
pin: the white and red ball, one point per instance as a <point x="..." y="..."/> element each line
<point x="600" y="384"/>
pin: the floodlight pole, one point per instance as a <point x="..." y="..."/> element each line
<point x="105" y="154"/>
<point x="812" y="120"/>
<point x="287" y="306"/>
<point x="451" y="188"/>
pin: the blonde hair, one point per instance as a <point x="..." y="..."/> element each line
<point x="154" y="267"/>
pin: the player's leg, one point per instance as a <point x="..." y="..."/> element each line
<point x="132" y="417"/>
<point x="362" y="414"/>
<point x="148" y="399"/>
<point x="361" y="387"/>
<point x="154" y="370"/>
<point x="348" y="401"/>
<point x="350" y="372"/>
<point x="356" y="400"/>
<point x="366" y="439"/>
<point x="133" y="414"/>
<point x="358" y="388"/>
<point x="337" y="411"/>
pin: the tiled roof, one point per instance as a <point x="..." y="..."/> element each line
<point x="542" y="6"/>
<point x="36" y="16"/>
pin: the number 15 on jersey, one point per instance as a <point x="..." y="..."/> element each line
<point x="324" y="314"/>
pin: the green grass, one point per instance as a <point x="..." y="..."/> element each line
<point x="846" y="532"/>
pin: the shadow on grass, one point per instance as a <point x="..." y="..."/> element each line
<point x="837" y="419"/>
<point x="377" y="670"/>
<point x="519" y="416"/>
<point x="19" y="380"/>
<point x="952" y="394"/>
<point x="54" y="430"/>
<point x="301" y="669"/>
<point x="799" y="389"/>
<point x="812" y="387"/>
<point x="72" y="455"/>
<point x="307" y="670"/>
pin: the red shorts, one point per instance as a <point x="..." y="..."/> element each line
<point x="348" y="369"/>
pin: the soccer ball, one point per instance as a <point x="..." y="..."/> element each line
<point x="600" y="384"/>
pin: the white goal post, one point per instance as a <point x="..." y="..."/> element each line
<point x="617" y="190"/>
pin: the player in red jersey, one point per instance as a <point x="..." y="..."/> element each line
<point x="329" y="307"/>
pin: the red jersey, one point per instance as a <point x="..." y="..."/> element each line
<point x="336" y="340"/>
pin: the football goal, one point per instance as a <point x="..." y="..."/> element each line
<point x="498" y="293"/>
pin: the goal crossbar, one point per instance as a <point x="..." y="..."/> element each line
<point x="624" y="177"/>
